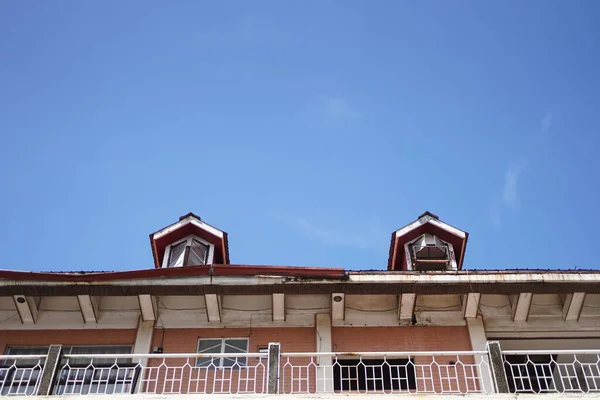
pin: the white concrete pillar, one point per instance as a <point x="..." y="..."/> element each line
<point x="479" y="343"/>
<point x="324" y="345"/>
<point x="143" y="338"/>
<point x="143" y="345"/>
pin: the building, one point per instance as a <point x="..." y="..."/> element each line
<point x="196" y="324"/>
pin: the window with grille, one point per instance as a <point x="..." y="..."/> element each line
<point x="230" y="346"/>
<point x="188" y="251"/>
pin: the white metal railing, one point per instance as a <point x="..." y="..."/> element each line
<point x="552" y="371"/>
<point x="20" y="374"/>
<point x="457" y="372"/>
<point x="163" y="374"/>
<point x="426" y="372"/>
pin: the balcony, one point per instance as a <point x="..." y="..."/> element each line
<point x="325" y="374"/>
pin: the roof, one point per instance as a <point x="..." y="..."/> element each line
<point x="426" y="223"/>
<point x="189" y="223"/>
<point x="248" y="279"/>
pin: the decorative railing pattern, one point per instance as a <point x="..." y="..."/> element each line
<point x="452" y="372"/>
<point x="163" y="374"/>
<point x="20" y="374"/>
<point x="552" y="371"/>
<point x="386" y="372"/>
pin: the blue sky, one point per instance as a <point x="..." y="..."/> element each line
<point x="308" y="130"/>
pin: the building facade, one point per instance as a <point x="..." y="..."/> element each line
<point x="196" y="324"/>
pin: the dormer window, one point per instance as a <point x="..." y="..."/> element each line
<point x="189" y="251"/>
<point x="428" y="252"/>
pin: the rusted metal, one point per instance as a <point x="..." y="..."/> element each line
<point x="207" y="270"/>
<point x="298" y="288"/>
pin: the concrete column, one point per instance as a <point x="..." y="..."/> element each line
<point x="479" y="343"/>
<point x="143" y="345"/>
<point x="324" y="345"/>
<point x="495" y="354"/>
<point x="143" y="339"/>
<point x="48" y="374"/>
<point x="273" y="368"/>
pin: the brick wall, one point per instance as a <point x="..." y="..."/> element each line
<point x="67" y="337"/>
<point x="437" y="374"/>
<point x="186" y="340"/>
<point x="401" y="338"/>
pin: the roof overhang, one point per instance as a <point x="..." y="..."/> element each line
<point x="248" y="280"/>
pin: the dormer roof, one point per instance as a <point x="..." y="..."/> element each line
<point x="426" y="223"/>
<point x="189" y="224"/>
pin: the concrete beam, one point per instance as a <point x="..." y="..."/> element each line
<point x="27" y="308"/>
<point x="521" y="304"/>
<point x="89" y="308"/>
<point x="406" y="306"/>
<point x="213" y="307"/>
<point x="338" y="306"/>
<point x="148" y="307"/>
<point x="470" y="305"/>
<point x="573" y="305"/>
<point x="278" y="307"/>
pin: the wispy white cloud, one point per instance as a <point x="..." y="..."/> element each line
<point x="510" y="194"/>
<point x="546" y="122"/>
<point x="367" y="235"/>
<point x="340" y="109"/>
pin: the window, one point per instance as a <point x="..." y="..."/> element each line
<point x="373" y="374"/>
<point x="189" y="251"/>
<point x="428" y="252"/>
<point x="530" y="374"/>
<point x="229" y="345"/>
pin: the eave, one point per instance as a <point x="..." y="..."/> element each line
<point x="253" y="280"/>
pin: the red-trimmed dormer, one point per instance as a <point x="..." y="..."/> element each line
<point x="189" y="241"/>
<point x="427" y="244"/>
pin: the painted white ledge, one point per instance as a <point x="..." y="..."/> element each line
<point x="553" y="396"/>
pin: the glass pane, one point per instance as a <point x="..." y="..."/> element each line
<point x="25" y="351"/>
<point x="98" y="350"/>
<point x="176" y="255"/>
<point x="198" y="253"/>
<point x="208" y="346"/>
<point x="235" y="346"/>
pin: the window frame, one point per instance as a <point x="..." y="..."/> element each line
<point x="186" y="252"/>
<point x="221" y="359"/>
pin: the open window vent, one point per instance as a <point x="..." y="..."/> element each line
<point x="428" y="253"/>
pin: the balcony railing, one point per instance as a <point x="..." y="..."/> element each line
<point x="553" y="371"/>
<point x="163" y="374"/>
<point x="20" y="374"/>
<point x="386" y="372"/>
<point x="439" y="372"/>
